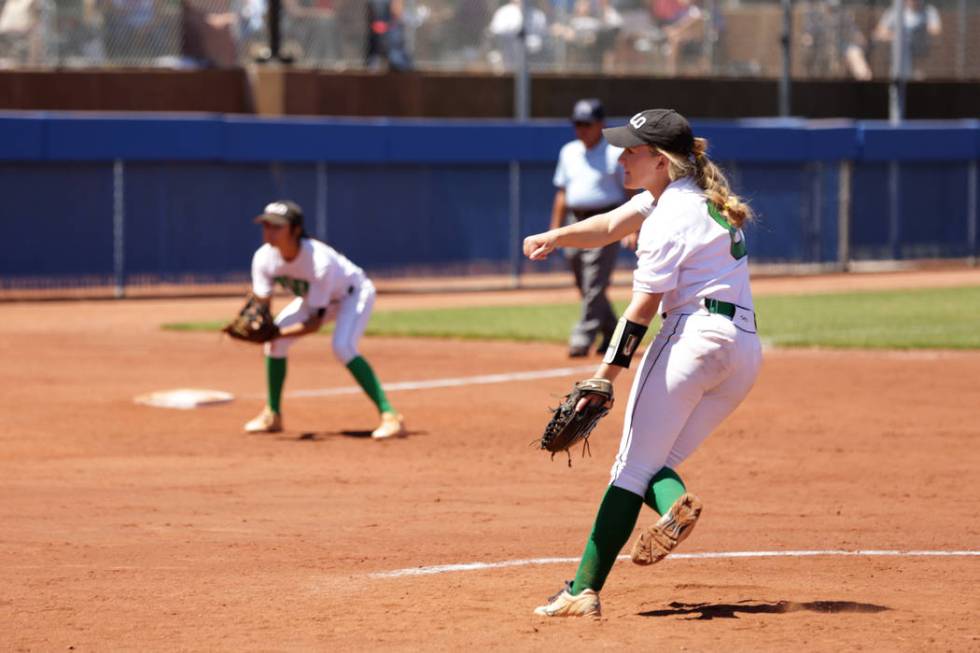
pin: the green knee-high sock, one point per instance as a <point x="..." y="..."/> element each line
<point x="367" y="379"/>
<point x="665" y="488"/>
<point x="275" y="374"/>
<point x="613" y="525"/>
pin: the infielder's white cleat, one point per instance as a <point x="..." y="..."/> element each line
<point x="564" y="604"/>
<point x="671" y="529"/>
<point x="266" y="422"/>
<point x="392" y="425"/>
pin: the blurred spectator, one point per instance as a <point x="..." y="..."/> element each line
<point x="589" y="32"/>
<point x="313" y="25"/>
<point x="352" y="25"/>
<point x="207" y="33"/>
<point x="251" y="20"/>
<point x="469" y="21"/>
<point x="922" y="25"/>
<point x="78" y="24"/>
<point x="24" y="31"/>
<point x="684" y="32"/>
<point x="832" y="42"/>
<point x="505" y="28"/>
<point x="386" y="37"/>
<point x="134" y="29"/>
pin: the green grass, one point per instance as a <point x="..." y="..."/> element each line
<point x="946" y="318"/>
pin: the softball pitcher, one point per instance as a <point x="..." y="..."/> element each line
<point x="692" y="269"/>
<point x="327" y="286"/>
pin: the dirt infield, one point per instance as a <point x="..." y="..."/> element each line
<point x="126" y="527"/>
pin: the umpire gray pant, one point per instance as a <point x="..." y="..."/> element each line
<point x="592" y="269"/>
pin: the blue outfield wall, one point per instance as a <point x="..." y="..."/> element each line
<point x="97" y="197"/>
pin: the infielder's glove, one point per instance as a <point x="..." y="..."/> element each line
<point x="567" y="426"/>
<point x="253" y="323"/>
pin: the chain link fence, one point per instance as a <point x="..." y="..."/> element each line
<point x="829" y="39"/>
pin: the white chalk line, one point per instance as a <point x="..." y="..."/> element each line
<point x="456" y="382"/>
<point x="474" y="566"/>
<point x="507" y="377"/>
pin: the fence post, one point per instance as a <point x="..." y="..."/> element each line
<point x="785" y="42"/>
<point x="971" y="212"/>
<point x="515" y="224"/>
<point x="900" y="64"/>
<point x="321" y="201"/>
<point x="522" y="111"/>
<point x="894" y="210"/>
<point x="844" y="216"/>
<point x="815" y="248"/>
<point x="118" y="228"/>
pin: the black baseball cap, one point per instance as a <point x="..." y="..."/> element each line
<point x="282" y="212"/>
<point x="588" y="110"/>
<point x="663" y="128"/>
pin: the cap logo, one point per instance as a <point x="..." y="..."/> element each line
<point x="277" y="208"/>
<point x="638" y="120"/>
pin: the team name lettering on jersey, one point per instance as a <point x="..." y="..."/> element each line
<point x="298" y="287"/>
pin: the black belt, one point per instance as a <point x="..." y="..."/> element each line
<point x="582" y="214"/>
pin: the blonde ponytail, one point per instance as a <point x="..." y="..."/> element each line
<point x="711" y="180"/>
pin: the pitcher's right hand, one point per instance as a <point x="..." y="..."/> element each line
<point x="538" y="246"/>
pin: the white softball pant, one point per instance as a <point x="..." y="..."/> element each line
<point x="351" y="315"/>
<point x="698" y="369"/>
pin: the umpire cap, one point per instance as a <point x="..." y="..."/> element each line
<point x="281" y="212"/>
<point x="663" y="128"/>
<point x="588" y="111"/>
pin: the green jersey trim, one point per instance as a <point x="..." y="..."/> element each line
<point x="738" y="248"/>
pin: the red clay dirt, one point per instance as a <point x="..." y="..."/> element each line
<point x="126" y="527"/>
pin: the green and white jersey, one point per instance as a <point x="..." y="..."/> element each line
<point x="319" y="273"/>
<point x="687" y="250"/>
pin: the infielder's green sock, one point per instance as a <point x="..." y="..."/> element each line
<point x="613" y="525"/>
<point x="665" y="488"/>
<point x="275" y="374"/>
<point x="367" y="379"/>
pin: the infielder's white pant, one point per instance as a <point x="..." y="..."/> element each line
<point x="698" y="369"/>
<point x="350" y="313"/>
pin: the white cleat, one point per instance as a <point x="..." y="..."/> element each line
<point x="266" y="422"/>
<point x="392" y="425"/>
<point x="564" y="604"/>
<point x="671" y="529"/>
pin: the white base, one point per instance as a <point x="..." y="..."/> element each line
<point x="184" y="398"/>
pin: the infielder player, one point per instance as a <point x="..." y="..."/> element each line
<point x="327" y="286"/>
<point x="693" y="270"/>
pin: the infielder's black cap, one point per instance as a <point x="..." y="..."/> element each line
<point x="283" y="212"/>
<point x="588" y="110"/>
<point x="663" y="128"/>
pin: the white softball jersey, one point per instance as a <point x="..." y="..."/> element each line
<point x="702" y="364"/>
<point x="320" y="278"/>
<point x="319" y="273"/>
<point x="685" y="253"/>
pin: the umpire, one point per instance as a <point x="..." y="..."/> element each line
<point x="589" y="181"/>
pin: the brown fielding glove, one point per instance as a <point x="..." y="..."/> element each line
<point x="253" y="323"/>
<point x="567" y="426"/>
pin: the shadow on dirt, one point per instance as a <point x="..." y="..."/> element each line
<point x="699" y="611"/>
<point x="322" y="436"/>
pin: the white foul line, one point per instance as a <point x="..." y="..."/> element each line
<point x="451" y="383"/>
<point x="472" y="566"/>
